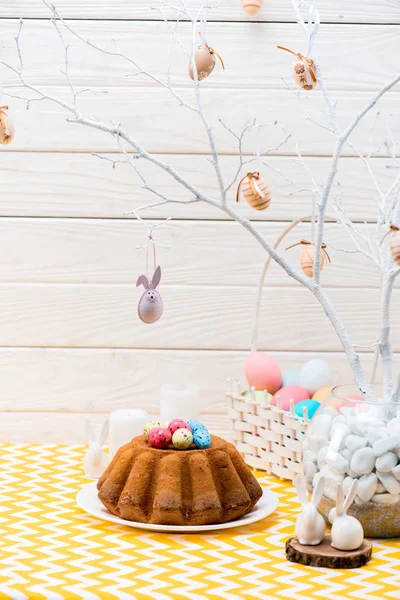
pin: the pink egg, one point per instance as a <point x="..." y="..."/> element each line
<point x="288" y="393"/>
<point x="338" y="404"/>
<point x="263" y="372"/>
<point x="160" y="437"/>
<point x="177" y="424"/>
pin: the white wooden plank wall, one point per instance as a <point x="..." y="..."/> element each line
<point x="70" y="341"/>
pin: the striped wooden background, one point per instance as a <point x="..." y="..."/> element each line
<point x="70" y="340"/>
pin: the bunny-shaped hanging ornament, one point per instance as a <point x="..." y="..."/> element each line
<point x="150" y="306"/>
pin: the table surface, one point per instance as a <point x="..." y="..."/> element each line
<point x="49" y="548"/>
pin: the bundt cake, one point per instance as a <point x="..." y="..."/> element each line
<point x="172" y="487"/>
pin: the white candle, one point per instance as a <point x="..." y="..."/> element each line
<point x="125" y="424"/>
<point x="179" y="402"/>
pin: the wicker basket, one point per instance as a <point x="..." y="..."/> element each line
<point x="267" y="437"/>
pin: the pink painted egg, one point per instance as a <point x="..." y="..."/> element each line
<point x="160" y="437"/>
<point x="263" y="372"/>
<point x="177" y="424"/>
<point x="286" y="394"/>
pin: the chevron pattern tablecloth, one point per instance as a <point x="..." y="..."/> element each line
<point x="49" y="548"/>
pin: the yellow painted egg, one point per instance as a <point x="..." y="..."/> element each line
<point x="322" y="393"/>
<point x="7" y="129"/>
<point x="205" y="62"/>
<point x="255" y="191"/>
<point x="252" y="6"/>
<point x="305" y="76"/>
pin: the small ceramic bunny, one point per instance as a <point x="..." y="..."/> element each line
<point x="310" y="525"/>
<point x="347" y="532"/>
<point x="95" y="461"/>
<point x="150" y="306"/>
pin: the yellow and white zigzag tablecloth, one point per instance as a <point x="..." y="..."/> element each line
<point x="49" y="548"/>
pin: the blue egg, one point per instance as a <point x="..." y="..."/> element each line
<point x="290" y="377"/>
<point x="311" y="405"/>
<point x="195" y="425"/>
<point x="202" y="438"/>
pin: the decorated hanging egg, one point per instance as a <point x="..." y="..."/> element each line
<point x="177" y="424"/>
<point x="290" y="377"/>
<point x="304" y="72"/>
<point x="288" y="393"/>
<point x="252" y="6"/>
<point x="307" y="260"/>
<point x="205" y="63"/>
<point x="322" y="394"/>
<point x="311" y="405"/>
<point x="7" y="130"/>
<point x="263" y="372"/>
<point x="195" y="425"/>
<point x="255" y="191"/>
<point x="202" y="438"/>
<point x="160" y="437"/>
<point x="315" y="374"/>
<point x="395" y="246"/>
<point x="149" y="426"/>
<point x="182" y="439"/>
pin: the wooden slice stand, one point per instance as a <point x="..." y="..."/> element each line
<point x="324" y="555"/>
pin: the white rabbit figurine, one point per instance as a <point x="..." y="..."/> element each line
<point x="347" y="532"/>
<point x="310" y="525"/>
<point x="95" y="461"/>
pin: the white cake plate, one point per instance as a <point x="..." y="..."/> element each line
<point x="88" y="501"/>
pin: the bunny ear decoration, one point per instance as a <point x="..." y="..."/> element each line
<point x="104" y="432"/>
<point x="339" y="501"/>
<point x="301" y="489"/>
<point x="156" y="278"/>
<point x="142" y="280"/>
<point x="89" y="430"/>
<point x="352" y="493"/>
<point x="318" y="491"/>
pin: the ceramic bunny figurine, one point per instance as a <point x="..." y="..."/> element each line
<point x="95" y="461"/>
<point x="150" y="306"/>
<point x="310" y="525"/>
<point x="347" y="532"/>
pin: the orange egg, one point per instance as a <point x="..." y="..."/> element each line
<point x="252" y="6"/>
<point x="322" y="393"/>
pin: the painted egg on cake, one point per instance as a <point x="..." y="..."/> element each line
<point x="149" y="426"/>
<point x="160" y="437"/>
<point x="177" y="424"/>
<point x="202" y="438"/>
<point x="182" y="439"/>
<point x="195" y="425"/>
<point x="288" y="393"/>
<point x="263" y="372"/>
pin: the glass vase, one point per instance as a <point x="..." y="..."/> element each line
<point x="349" y="438"/>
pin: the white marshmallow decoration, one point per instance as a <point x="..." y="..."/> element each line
<point x="347" y="533"/>
<point x="315" y="374"/>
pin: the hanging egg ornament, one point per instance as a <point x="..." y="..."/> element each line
<point x="7" y="130"/>
<point x="304" y="73"/>
<point x="255" y="191"/>
<point x="252" y="6"/>
<point x="304" y="70"/>
<point x="307" y="257"/>
<point x="150" y="306"/>
<point x="204" y="58"/>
